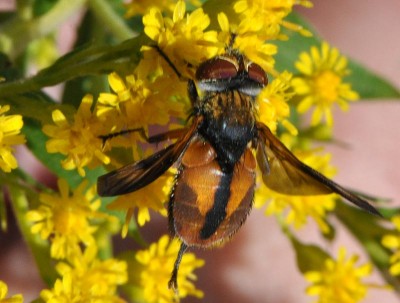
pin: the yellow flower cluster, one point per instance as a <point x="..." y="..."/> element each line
<point x="68" y="220"/>
<point x="10" y="128"/>
<point x="87" y="279"/>
<point x="183" y="37"/>
<point x="339" y="281"/>
<point x="320" y="82"/>
<point x="273" y="105"/>
<point x="156" y="264"/>
<point x="77" y="140"/>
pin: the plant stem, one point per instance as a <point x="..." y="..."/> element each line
<point x="105" y="13"/>
<point x="39" y="247"/>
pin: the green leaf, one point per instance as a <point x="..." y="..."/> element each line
<point x="42" y="7"/>
<point x="389" y="212"/>
<point x="308" y="257"/>
<point x="367" y="229"/>
<point x="370" y="85"/>
<point x="89" y="60"/>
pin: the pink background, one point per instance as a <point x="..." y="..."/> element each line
<point x="258" y="264"/>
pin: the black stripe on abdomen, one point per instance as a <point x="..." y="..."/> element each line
<point x="217" y="213"/>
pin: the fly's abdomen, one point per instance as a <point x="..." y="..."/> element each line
<point x="207" y="204"/>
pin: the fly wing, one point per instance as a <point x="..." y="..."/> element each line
<point x="289" y="176"/>
<point x="137" y="175"/>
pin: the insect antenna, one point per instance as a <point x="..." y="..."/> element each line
<point x="168" y="60"/>
<point x="231" y="41"/>
<point x="168" y="135"/>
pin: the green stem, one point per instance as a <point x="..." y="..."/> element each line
<point x="17" y="34"/>
<point x="105" y="13"/>
<point x="40" y="248"/>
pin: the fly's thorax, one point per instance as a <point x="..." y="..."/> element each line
<point x="229" y="121"/>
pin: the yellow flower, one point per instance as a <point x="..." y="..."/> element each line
<point x="157" y="264"/>
<point x="340" y="281"/>
<point x="265" y="18"/>
<point x="87" y="279"/>
<point x="153" y="196"/>
<point x="393" y="242"/>
<point x="3" y="294"/>
<point x="66" y="219"/>
<point x="10" y="127"/>
<point x="297" y="209"/>
<point x="182" y="38"/>
<point x="320" y="83"/>
<point x="78" y="140"/>
<point x="272" y="103"/>
<point x="136" y="103"/>
<point x="249" y="43"/>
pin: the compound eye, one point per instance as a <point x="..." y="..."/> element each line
<point x="257" y="74"/>
<point x="217" y="68"/>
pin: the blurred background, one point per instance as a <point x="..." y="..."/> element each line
<point x="258" y="265"/>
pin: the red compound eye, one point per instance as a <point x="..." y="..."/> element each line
<point x="217" y="68"/>
<point x="257" y="74"/>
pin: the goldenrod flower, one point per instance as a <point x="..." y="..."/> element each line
<point x="77" y="140"/>
<point x="251" y="44"/>
<point x="157" y="264"/>
<point x="297" y="209"/>
<point x="10" y="128"/>
<point x="340" y="280"/>
<point x="272" y="103"/>
<point x="87" y="279"/>
<point x="320" y="83"/>
<point x="393" y="242"/>
<point x="265" y="18"/>
<point x="135" y="103"/>
<point x="66" y="219"/>
<point x="182" y="38"/>
<point x="153" y="197"/>
<point x="3" y="294"/>
<point x="259" y="21"/>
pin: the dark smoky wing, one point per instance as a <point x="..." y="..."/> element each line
<point x="289" y="176"/>
<point x="137" y="175"/>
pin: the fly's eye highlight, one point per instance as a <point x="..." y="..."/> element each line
<point x="257" y="74"/>
<point x="217" y="68"/>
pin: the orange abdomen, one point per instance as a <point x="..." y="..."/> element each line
<point x="208" y="205"/>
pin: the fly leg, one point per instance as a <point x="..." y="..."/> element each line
<point x="171" y="134"/>
<point x="173" y="282"/>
